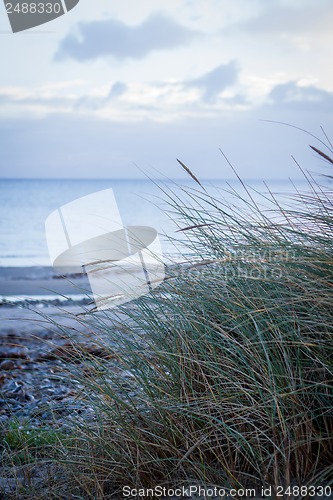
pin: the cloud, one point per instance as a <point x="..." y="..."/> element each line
<point x="214" y="94"/>
<point x="117" y="89"/>
<point x="19" y="101"/>
<point x="130" y="101"/>
<point x="114" y="38"/>
<point x="216" y="80"/>
<point x="294" y="96"/>
<point x="102" y="149"/>
<point x="289" y="19"/>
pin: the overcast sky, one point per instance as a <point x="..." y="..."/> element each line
<point x="115" y="87"/>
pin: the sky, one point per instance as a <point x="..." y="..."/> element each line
<point x="121" y="88"/>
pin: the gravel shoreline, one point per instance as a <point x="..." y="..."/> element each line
<point x="39" y="348"/>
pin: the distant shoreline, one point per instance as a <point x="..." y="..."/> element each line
<point x="43" y="285"/>
<point x="40" y="283"/>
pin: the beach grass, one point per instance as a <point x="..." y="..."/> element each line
<point x="223" y="375"/>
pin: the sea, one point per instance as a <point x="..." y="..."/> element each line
<point x="25" y="204"/>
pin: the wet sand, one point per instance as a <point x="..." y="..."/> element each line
<point x="40" y="281"/>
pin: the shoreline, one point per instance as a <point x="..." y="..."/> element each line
<point x="42" y="285"/>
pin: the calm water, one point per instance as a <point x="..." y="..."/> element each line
<point x="25" y="204"/>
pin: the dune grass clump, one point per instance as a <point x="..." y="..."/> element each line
<point x="225" y="372"/>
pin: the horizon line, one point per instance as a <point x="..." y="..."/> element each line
<point x="165" y="179"/>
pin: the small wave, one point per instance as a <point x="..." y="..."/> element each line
<point x="44" y="300"/>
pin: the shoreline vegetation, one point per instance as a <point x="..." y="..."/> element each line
<point x="221" y="377"/>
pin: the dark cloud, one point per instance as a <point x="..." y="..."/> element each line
<point x="213" y="82"/>
<point x="295" y="97"/>
<point x="113" y="38"/>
